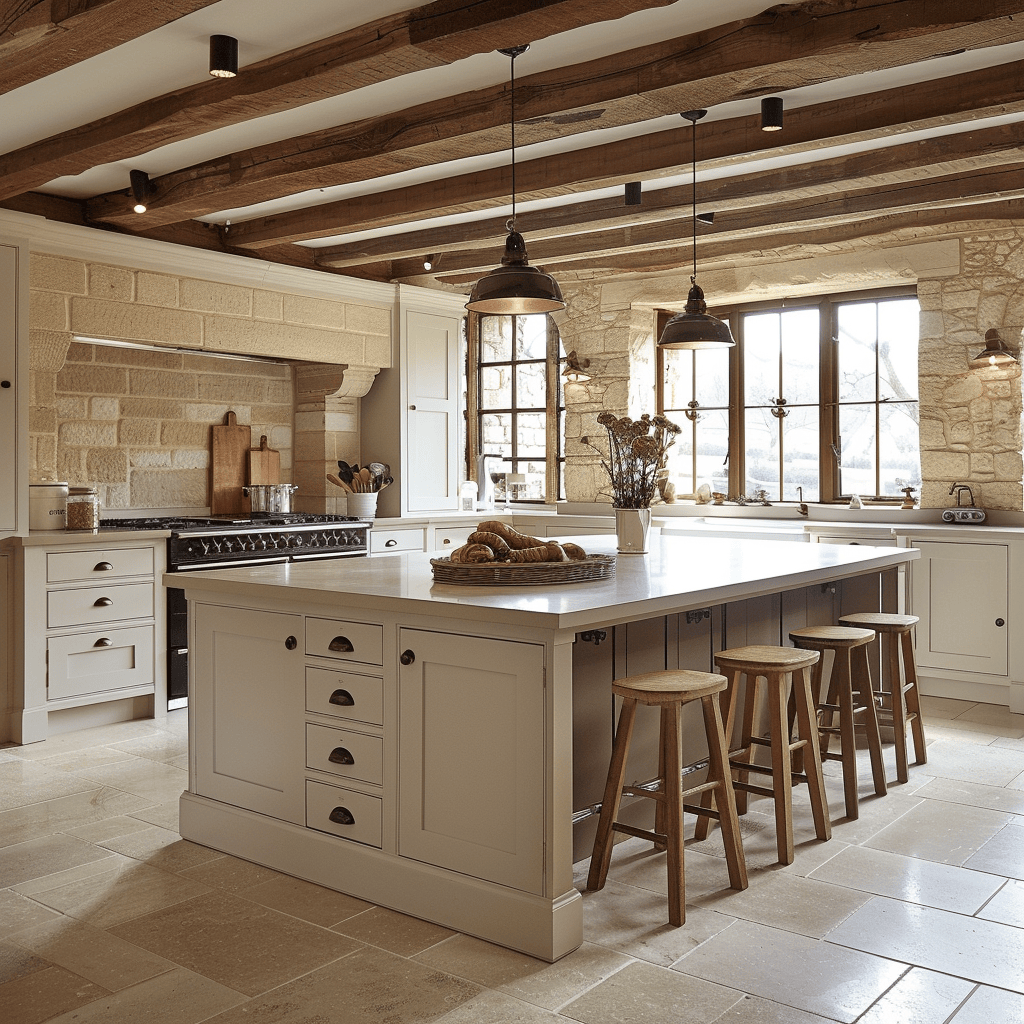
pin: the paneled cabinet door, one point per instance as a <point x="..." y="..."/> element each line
<point x="9" y="450"/>
<point x="471" y="760"/>
<point x="248" y="695"/>
<point x="959" y="592"/>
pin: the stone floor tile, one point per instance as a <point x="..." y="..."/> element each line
<point x="755" y="1010"/>
<point x="943" y="707"/>
<point x="235" y="942"/>
<point x="108" y="828"/>
<point x="787" y="968"/>
<point x="991" y="1006"/>
<point x="955" y="791"/>
<point x="498" y="1008"/>
<point x="152" y="780"/>
<point x="17" y="962"/>
<point x="24" y="783"/>
<point x="163" y="814"/>
<point x="919" y="997"/>
<point x="161" y="746"/>
<point x="43" y="994"/>
<point x="1003" y="854"/>
<point x="161" y="848"/>
<point x="966" y="947"/>
<point x="90" y="757"/>
<point x="64" y="813"/>
<point x="1007" y="906"/>
<point x="45" y="856"/>
<point x="395" y="932"/>
<point x="305" y="900"/>
<point x="987" y="765"/>
<point x="18" y="912"/>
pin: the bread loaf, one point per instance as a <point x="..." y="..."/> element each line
<point x="549" y="551"/>
<point x="497" y="544"/>
<point x="574" y="552"/>
<point x="472" y="553"/>
<point x="513" y="538"/>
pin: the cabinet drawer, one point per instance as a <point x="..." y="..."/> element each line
<point x="98" y="563"/>
<point x="99" y="604"/>
<point x="347" y="641"/>
<point x="383" y="541"/>
<point x="345" y="695"/>
<point x="342" y="812"/>
<point x="98" y="661"/>
<point x="351" y="755"/>
<point x="446" y="540"/>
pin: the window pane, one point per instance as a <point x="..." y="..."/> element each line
<point x="496" y="435"/>
<point x="531" y="428"/>
<point x="531" y="385"/>
<point x="532" y="342"/>
<point x="801" y="344"/>
<point x="712" y="384"/>
<point x="712" y="448"/>
<point x="800" y="455"/>
<point x="856" y="352"/>
<point x="857" y="430"/>
<point x="762" y="437"/>
<point x="761" y="348"/>
<point x="495" y="339"/>
<point x="533" y="490"/>
<point x="898" y="329"/>
<point x="900" y="448"/>
<point x="678" y="386"/>
<point x="496" y="387"/>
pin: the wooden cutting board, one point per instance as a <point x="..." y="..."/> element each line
<point x="229" y="463"/>
<point x="264" y="464"/>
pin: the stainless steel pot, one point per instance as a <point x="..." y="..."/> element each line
<point x="270" y="497"/>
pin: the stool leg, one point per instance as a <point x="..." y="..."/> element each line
<point x="899" y="708"/>
<point x="782" y="779"/>
<point x="841" y="678"/>
<point x="745" y="753"/>
<point x="862" y="680"/>
<point x="672" y="799"/>
<point x="707" y="798"/>
<point x="718" y="755"/>
<point x="914" y="699"/>
<point x="807" y="720"/>
<point x="660" y="825"/>
<point x="602" y="855"/>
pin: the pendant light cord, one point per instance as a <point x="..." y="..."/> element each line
<point x="693" y="139"/>
<point x="512" y="62"/>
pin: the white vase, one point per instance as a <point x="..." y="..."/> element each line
<point x="631" y="528"/>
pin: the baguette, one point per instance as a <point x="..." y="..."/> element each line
<point x="497" y="544"/>
<point x="574" y="552"/>
<point x="513" y="538"/>
<point x="472" y="553"/>
<point x="550" y="551"/>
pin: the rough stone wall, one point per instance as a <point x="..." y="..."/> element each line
<point x="971" y="417"/>
<point x="619" y="342"/>
<point x="137" y="422"/>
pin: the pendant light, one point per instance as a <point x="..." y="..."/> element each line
<point x="694" y="327"/>
<point x="995" y="353"/>
<point x="515" y="286"/>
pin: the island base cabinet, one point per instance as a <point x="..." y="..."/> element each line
<point x="471" y="763"/>
<point x="246" y="709"/>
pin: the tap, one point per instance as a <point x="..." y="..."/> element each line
<point x="803" y="507"/>
<point x="960" y="488"/>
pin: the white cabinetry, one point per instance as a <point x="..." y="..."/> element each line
<point x="86" y="633"/>
<point x="472" y="758"/>
<point x="960" y="594"/>
<point x="13" y="389"/>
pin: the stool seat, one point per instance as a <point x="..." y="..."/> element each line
<point x="670" y="691"/>
<point x="833" y="637"/>
<point x="880" y="622"/>
<point x="902" y="701"/>
<point x="848" y="695"/>
<point x="771" y="672"/>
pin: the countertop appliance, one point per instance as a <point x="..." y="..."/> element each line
<point x="228" y="541"/>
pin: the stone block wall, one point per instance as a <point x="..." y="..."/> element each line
<point x="137" y="422"/>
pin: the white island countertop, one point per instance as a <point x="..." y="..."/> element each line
<point x="678" y="574"/>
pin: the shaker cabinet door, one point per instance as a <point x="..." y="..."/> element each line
<point x="247" y="689"/>
<point x="471" y="760"/>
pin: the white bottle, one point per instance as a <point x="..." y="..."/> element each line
<point x="467" y="496"/>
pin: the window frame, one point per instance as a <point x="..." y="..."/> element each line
<point x="828" y="390"/>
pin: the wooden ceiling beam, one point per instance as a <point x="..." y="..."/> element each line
<point x="431" y="36"/>
<point x="857" y="120"/>
<point x="40" y="37"/>
<point x="783" y="48"/>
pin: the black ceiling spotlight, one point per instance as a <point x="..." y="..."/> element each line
<point x="142" y="189"/>
<point x="223" y="56"/>
<point x="771" y="114"/>
<point x="695" y="327"/>
<point x="634" y="195"/>
<point x="515" y="286"/>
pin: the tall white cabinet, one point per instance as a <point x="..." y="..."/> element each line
<point x="13" y="387"/>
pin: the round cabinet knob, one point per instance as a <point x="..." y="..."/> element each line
<point x="407" y="657"/>
<point x="5" y="383"/>
<point x="291" y="643"/>
<point x="1000" y="622"/>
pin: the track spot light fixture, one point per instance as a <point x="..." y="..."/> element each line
<point x="142" y="188"/>
<point x="223" y="56"/>
<point x="771" y="114"/>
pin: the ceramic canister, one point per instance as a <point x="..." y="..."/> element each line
<point x="47" y="505"/>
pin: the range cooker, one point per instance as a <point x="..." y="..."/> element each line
<point x="222" y="542"/>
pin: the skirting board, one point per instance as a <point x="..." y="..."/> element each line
<point x="544" y="928"/>
<point x="960" y="689"/>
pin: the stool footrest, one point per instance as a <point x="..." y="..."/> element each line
<point x="657" y="838"/>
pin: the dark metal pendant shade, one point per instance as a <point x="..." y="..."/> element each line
<point x="515" y="286"/>
<point x="695" y="327"/>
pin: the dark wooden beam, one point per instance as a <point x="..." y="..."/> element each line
<point x="41" y="37"/>
<point x="778" y="50"/>
<point x="430" y="36"/>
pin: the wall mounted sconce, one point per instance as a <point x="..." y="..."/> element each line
<point x="996" y="352"/>
<point x="634" y="193"/>
<point x="223" y="56"/>
<point x="142" y="189"/>
<point x="771" y="114"/>
<point x="575" y="368"/>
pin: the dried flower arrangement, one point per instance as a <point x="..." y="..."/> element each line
<point x="637" y="452"/>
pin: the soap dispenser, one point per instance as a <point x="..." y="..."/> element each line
<point x="484" y="481"/>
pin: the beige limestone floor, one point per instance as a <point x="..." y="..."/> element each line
<point x="913" y="914"/>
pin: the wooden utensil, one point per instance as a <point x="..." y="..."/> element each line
<point x="264" y="464"/>
<point x="229" y="462"/>
<point x="340" y="483"/>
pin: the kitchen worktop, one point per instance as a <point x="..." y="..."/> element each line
<point x="35" y="538"/>
<point x="678" y="574"/>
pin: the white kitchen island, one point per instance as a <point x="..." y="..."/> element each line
<point x="354" y="724"/>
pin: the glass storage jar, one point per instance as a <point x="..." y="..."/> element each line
<point x="83" y="509"/>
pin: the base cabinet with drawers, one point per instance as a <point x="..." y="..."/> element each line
<point x="86" y="634"/>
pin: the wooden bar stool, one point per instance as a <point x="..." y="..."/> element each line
<point x="850" y="672"/>
<point x="669" y="691"/>
<point x="781" y="669"/>
<point x="903" y="702"/>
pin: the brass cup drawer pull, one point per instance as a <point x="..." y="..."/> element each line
<point x="102" y="602"/>
<point x="102" y="567"/>
<point x="341" y="645"/>
<point x="342" y="816"/>
<point x="104" y="641"/>
<point x="341" y="755"/>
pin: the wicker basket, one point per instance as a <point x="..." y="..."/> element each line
<point x="519" y="574"/>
